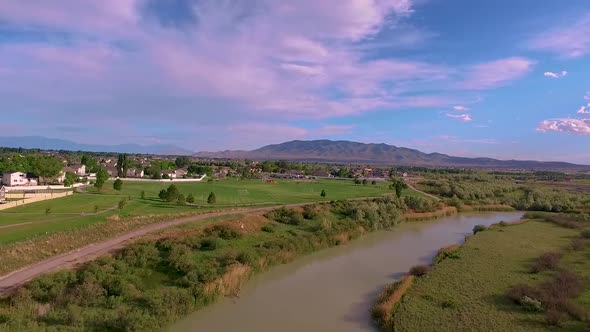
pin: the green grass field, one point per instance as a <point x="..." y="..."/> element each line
<point x="468" y="293"/>
<point x="78" y="210"/>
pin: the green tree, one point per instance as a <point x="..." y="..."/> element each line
<point x="182" y="161"/>
<point x="118" y="185"/>
<point x="181" y="200"/>
<point x="163" y="195"/>
<point x="122" y="165"/>
<point x="156" y="171"/>
<point x="47" y="168"/>
<point x="90" y="163"/>
<point x="122" y="204"/>
<point x="373" y="182"/>
<point x="70" y="179"/>
<point x="101" y="177"/>
<point x="364" y="182"/>
<point x="323" y="193"/>
<point x="190" y="199"/>
<point x="212" y="199"/>
<point x="142" y="194"/>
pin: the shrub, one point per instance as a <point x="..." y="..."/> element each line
<point x="585" y="234"/>
<point x="518" y="292"/>
<point x="181" y="200"/>
<point x="122" y="204"/>
<point x="222" y="231"/>
<point x="554" y="317"/>
<point x="209" y="243"/>
<point x="286" y="216"/>
<point x="212" y="199"/>
<point x="190" y="199"/>
<point x="419" y="270"/>
<point x="118" y="185"/>
<point x="48" y="210"/>
<point x="323" y="193"/>
<point x="579" y="244"/>
<point x="268" y="228"/>
<point x="479" y="228"/>
<point x="547" y="261"/>
<point x="309" y="212"/>
<point x="503" y="223"/>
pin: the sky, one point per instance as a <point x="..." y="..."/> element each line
<point x="508" y="79"/>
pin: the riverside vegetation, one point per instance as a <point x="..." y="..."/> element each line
<point x="530" y="275"/>
<point x="166" y="276"/>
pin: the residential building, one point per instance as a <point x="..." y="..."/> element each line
<point x="2" y="194"/>
<point x="169" y="174"/>
<point x="17" y="179"/>
<point x="135" y="173"/>
<point x="77" y="169"/>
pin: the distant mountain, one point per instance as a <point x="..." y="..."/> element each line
<point x="354" y="152"/>
<point x="44" y="143"/>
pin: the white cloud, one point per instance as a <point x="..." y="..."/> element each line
<point x="496" y="73"/>
<point x="460" y="108"/>
<point x="461" y="117"/>
<point x="575" y="126"/>
<point x="584" y="109"/>
<point x="587" y="96"/>
<point x="555" y="75"/>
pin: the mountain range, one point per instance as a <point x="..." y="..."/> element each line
<point x="44" y="143"/>
<point x="384" y="154"/>
<point x="311" y="151"/>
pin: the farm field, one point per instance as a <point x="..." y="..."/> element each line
<point x="78" y="210"/>
<point x="469" y="292"/>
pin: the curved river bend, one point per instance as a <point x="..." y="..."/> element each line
<point x="333" y="290"/>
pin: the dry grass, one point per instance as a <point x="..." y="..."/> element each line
<point x="490" y="207"/>
<point x="444" y="212"/>
<point x="382" y="311"/>
<point x="230" y="283"/>
<point x="14" y="256"/>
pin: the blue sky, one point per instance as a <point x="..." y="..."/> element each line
<point x="505" y="79"/>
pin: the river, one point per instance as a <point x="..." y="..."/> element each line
<point x="333" y="290"/>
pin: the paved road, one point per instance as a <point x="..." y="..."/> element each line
<point x="17" y="278"/>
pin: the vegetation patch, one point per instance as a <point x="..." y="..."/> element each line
<point x="383" y="310"/>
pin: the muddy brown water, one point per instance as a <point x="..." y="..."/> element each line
<point x="333" y="290"/>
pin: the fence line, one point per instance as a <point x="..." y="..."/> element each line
<point x="30" y="198"/>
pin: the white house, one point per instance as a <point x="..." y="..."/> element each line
<point x="135" y="173"/>
<point x="78" y="169"/>
<point x="170" y="174"/>
<point x="17" y="179"/>
<point x="2" y="194"/>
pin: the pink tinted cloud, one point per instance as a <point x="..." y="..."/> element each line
<point x="574" y="126"/>
<point x="587" y="96"/>
<point x="496" y="73"/>
<point x="460" y="108"/>
<point x="571" y="40"/>
<point x="584" y="109"/>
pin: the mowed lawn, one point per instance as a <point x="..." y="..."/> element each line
<point x="468" y="293"/>
<point x="78" y="210"/>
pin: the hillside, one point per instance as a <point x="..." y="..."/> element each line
<point x="354" y="152"/>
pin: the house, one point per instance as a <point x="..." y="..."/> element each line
<point x="169" y="174"/>
<point x="181" y="172"/>
<point x="17" y="179"/>
<point x="112" y="171"/>
<point x="135" y="173"/>
<point x="77" y="169"/>
<point x="2" y="194"/>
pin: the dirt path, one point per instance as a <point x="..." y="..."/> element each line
<point x="17" y="278"/>
<point x="420" y="191"/>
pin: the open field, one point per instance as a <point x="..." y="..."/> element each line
<point x="79" y="210"/>
<point x="468" y="292"/>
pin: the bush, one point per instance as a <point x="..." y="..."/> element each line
<point x="190" y="199"/>
<point x="286" y="216"/>
<point x="479" y="228"/>
<point x="547" y="261"/>
<point x="585" y="234"/>
<point x="181" y="200"/>
<point x="531" y="304"/>
<point x="209" y="243"/>
<point x="268" y="228"/>
<point x="420" y="270"/>
<point x="580" y="244"/>
<point x="503" y="223"/>
<point x="520" y="291"/>
<point x="323" y="193"/>
<point x="122" y="204"/>
<point x="449" y="304"/>
<point x="309" y="212"/>
<point x="142" y="194"/>
<point x="118" y="185"/>
<point x="554" y="317"/>
<point x="212" y="199"/>
<point x="222" y="231"/>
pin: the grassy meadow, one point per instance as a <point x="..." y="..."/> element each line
<point x="93" y="206"/>
<point x="469" y="292"/>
